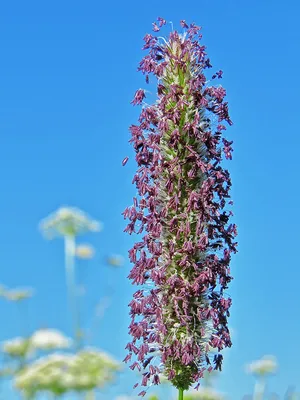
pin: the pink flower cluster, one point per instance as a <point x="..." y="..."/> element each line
<point x="182" y="261"/>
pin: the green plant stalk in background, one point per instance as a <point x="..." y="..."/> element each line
<point x="259" y="389"/>
<point x="68" y="222"/>
<point x="71" y="286"/>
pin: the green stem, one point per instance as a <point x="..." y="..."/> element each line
<point x="180" y="394"/>
<point x="71" y="286"/>
<point x="259" y="389"/>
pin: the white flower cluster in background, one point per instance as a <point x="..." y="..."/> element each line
<point x="115" y="260"/>
<point x="68" y="221"/>
<point x="17" y="294"/>
<point x="85" y="251"/>
<point x="18" y="347"/>
<point x="59" y="373"/>
<point x="265" y="366"/>
<point x="49" y="339"/>
<point x="43" y="339"/>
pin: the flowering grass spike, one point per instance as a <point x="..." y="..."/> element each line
<point x="182" y="262"/>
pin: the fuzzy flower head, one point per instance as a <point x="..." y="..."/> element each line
<point x="49" y="339"/>
<point x="15" y="295"/>
<point x="18" y="347"/>
<point x="45" y="374"/>
<point x="267" y="365"/>
<point x="60" y="373"/>
<point x="115" y="260"/>
<point x="19" y="294"/>
<point x="85" y="251"/>
<point x="68" y="221"/>
<point x="181" y="264"/>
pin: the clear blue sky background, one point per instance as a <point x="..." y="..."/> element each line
<point x="67" y="76"/>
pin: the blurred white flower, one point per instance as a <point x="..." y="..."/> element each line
<point x="94" y="355"/>
<point x="124" y="398"/>
<point x="68" y="380"/>
<point x="99" y="366"/>
<point x="59" y="373"/>
<point x="85" y="251"/>
<point x="68" y="221"/>
<point x="46" y="339"/>
<point x="45" y="374"/>
<point x="115" y="260"/>
<point x="18" y="294"/>
<point x="265" y="366"/>
<point x="17" y="347"/>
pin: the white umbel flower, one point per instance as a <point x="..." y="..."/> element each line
<point x="115" y="260"/>
<point x="18" y="294"/>
<point x="46" y="339"/>
<point x="68" y="221"/>
<point x="100" y="357"/>
<point x="60" y="373"/>
<point x="17" y="347"/>
<point x="85" y="251"/>
<point x="45" y="373"/>
<point x="265" y="366"/>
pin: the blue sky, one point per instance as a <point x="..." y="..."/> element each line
<point x="67" y="76"/>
